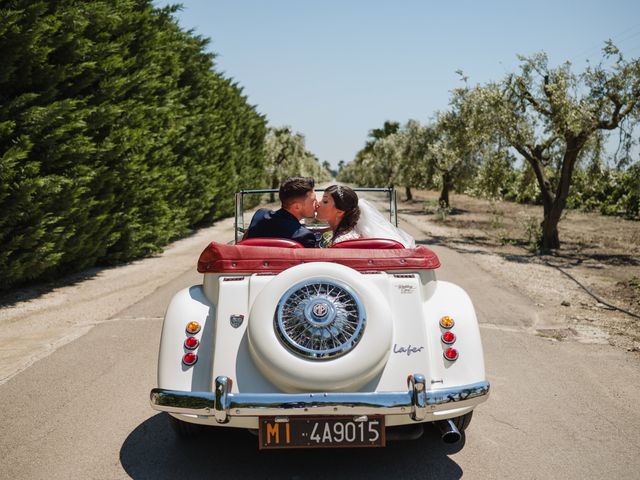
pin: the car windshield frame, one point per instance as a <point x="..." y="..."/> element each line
<point x="239" y="224"/>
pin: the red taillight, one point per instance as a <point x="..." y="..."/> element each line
<point x="451" y="354"/>
<point x="189" y="358"/>
<point x="448" y="337"/>
<point x="191" y="343"/>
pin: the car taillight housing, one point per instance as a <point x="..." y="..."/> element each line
<point x="451" y="354"/>
<point x="191" y="343"/>
<point x="447" y="322"/>
<point x="189" y="358"/>
<point x="448" y="337"/>
<point x="193" y="327"/>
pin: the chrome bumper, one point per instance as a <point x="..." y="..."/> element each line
<point x="417" y="401"/>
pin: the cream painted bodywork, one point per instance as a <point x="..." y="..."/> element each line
<point x="408" y="305"/>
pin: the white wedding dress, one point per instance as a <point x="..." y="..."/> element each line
<point x="373" y="224"/>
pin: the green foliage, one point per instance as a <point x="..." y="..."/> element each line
<point x="533" y="232"/>
<point x="552" y="118"/>
<point x="555" y="119"/>
<point x="287" y="156"/>
<point x="443" y="211"/>
<point x="374" y="164"/>
<point x="388" y="128"/>
<point x="116" y="135"/>
<point x="607" y="191"/>
<point x="393" y="155"/>
<point x="494" y="177"/>
<point x="439" y="211"/>
<point x="444" y="154"/>
<point x="498" y="179"/>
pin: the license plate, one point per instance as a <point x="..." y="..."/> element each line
<point x="332" y="432"/>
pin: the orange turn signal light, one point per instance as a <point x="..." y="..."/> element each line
<point x="446" y="322"/>
<point x="193" y="327"/>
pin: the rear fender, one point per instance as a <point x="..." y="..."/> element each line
<point x="186" y="306"/>
<point x="450" y="299"/>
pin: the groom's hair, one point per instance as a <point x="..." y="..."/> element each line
<point x="294" y="188"/>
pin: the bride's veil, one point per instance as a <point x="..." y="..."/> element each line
<point x="372" y="224"/>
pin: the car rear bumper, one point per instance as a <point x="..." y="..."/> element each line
<point x="222" y="404"/>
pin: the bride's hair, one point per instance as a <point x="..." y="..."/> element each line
<point x="347" y="201"/>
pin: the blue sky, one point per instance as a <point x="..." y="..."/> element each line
<point x="333" y="70"/>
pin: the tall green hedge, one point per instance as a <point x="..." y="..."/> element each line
<point x="116" y="135"/>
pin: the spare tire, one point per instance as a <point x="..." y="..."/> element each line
<point x="320" y="327"/>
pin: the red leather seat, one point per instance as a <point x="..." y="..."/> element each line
<point x="370" y="243"/>
<point x="221" y="258"/>
<point x="270" y="242"/>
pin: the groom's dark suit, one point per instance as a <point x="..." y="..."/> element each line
<point x="279" y="224"/>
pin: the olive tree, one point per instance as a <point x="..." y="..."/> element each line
<point x="283" y="153"/>
<point x="415" y="144"/>
<point x="550" y="116"/>
<point x="419" y="156"/>
<point x="369" y="168"/>
<point x="393" y="155"/>
<point x="459" y="140"/>
<point x="287" y="156"/>
<point x="388" y="128"/>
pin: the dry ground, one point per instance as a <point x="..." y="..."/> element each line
<point x="600" y="253"/>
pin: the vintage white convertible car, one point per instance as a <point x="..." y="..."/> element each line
<point x="349" y="346"/>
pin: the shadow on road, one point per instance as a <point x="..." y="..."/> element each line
<point x="491" y="239"/>
<point x="152" y="450"/>
<point x="32" y="291"/>
<point x="565" y="259"/>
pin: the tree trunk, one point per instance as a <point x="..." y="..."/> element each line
<point x="407" y="191"/>
<point x="443" y="201"/>
<point x="550" y="239"/>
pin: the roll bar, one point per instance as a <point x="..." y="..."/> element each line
<point x="239" y="227"/>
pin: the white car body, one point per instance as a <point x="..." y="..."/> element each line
<point x="249" y="368"/>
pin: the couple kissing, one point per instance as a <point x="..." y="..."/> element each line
<point x="348" y="216"/>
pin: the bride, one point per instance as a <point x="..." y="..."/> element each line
<point x="349" y="218"/>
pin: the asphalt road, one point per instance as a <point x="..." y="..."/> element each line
<point x="556" y="410"/>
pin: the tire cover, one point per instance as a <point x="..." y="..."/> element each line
<point x="348" y="372"/>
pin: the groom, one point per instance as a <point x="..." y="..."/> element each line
<point x="298" y="201"/>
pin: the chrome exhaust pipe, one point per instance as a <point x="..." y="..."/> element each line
<point x="449" y="431"/>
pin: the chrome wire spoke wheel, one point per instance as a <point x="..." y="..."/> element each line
<point x="320" y="319"/>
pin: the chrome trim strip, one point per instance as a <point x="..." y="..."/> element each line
<point x="222" y="404"/>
